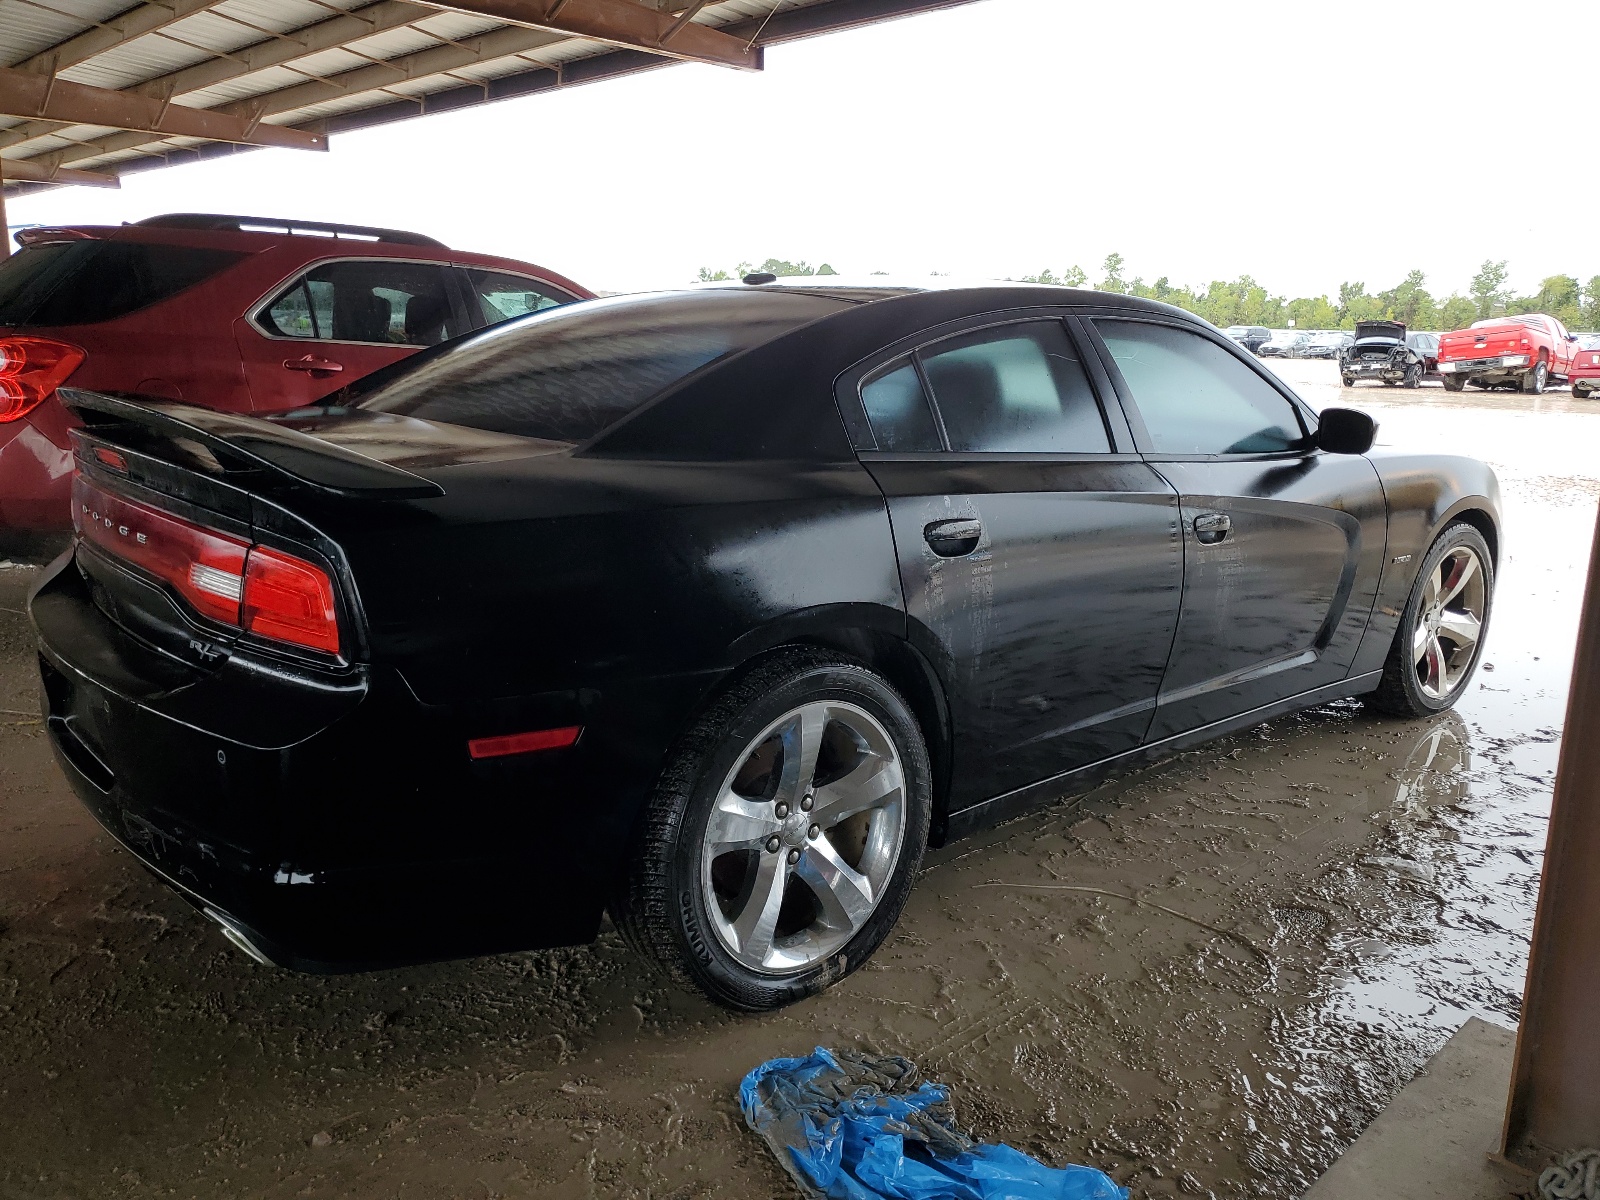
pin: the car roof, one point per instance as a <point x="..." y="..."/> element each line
<point x="1004" y="292"/>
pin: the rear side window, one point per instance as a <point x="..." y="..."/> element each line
<point x="368" y="300"/>
<point x="567" y="374"/>
<point x="1017" y="388"/>
<point x="897" y="410"/>
<point x="83" y="282"/>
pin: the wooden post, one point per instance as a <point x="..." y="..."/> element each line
<point x="1554" y="1106"/>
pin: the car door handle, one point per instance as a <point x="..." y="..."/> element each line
<point x="952" y="539"/>
<point x="312" y="363"/>
<point x="1211" y="528"/>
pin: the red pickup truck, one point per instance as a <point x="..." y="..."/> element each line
<point x="1523" y="352"/>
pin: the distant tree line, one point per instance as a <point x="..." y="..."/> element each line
<point x="1243" y="301"/>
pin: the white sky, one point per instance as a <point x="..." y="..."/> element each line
<point x="1303" y="145"/>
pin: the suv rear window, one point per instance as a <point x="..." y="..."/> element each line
<point x="566" y="374"/>
<point x="82" y="282"/>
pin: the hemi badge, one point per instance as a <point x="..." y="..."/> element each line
<point x="1403" y="558"/>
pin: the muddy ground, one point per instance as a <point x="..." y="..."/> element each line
<point x="1318" y="904"/>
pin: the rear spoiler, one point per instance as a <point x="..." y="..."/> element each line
<point x="252" y="442"/>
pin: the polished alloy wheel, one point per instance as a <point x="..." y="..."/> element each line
<point x="1449" y="623"/>
<point x="804" y="837"/>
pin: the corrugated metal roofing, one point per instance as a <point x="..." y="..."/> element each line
<point x="326" y="65"/>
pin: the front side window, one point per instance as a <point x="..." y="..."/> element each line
<point x="389" y="303"/>
<point x="1017" y="388"/>
<point x="500" y="296"/>
<point x="897" y="410"/>
<point x="1196" y="397"/>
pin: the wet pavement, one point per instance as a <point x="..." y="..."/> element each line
<point x="1206" y="978"/>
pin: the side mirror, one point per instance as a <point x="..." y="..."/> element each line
<point x="1346" y="431"/>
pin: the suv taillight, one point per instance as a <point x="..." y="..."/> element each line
<point x="254" y="588"/>
<point x="31" y="368"/>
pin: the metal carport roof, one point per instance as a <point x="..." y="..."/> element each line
<point x="93" y="89"/>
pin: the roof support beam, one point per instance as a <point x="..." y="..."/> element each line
<point x="259" y="56"/>
<point x="50" y="98"/>
<point x="42" y="170"/>
<point x="620" y="23"/>
<point x="498" y="43"/>
<point x="136" y="22"/>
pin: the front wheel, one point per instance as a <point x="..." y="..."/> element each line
<point x="1441" y="630"/>
<point x="784" y="835"/>
<point x="1533" y="382"/>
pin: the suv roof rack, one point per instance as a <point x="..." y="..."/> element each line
<point x="364" y="233"/>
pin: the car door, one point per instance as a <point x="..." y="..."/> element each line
<point x="1283" y="544"/>
<point x="341" y="320"/>
<point x="1039" y="557"/>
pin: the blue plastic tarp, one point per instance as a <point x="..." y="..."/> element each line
<point x="856" y="1127"/>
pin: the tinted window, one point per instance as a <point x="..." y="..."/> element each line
<point x="897" y="410"/>
<point x="1019" y="388"/>
<point x="81" y="282"/>
<point x="500" y="297"/>
<point x="1196" y="397"/>
<point x="396" y="303"/>
<point x="567" y="374"/>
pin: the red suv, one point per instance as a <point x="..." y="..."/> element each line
<point x="235" y="313"/>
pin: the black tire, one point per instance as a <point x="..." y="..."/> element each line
<point x="1533" y="382"/>
<point x="1400" y="693"/>
<point x="660" y="906"/>
<point x="1453" y="383"/>
<point x="1413" y="377"/>
<point x="1580" y="393"/>
<point x="1347" y="380"/>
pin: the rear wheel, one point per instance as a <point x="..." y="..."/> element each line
<point x="1414" y="375"/>
<point x="1580" y="393"/>
<point x="1453" y="383"/>
<point x="1348" y="380"/>
<point x="1533" y="382"/>
<point x="783" y="838"/>
<point x="1440" y="637"/>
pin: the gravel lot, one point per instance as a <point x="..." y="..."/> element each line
<point x="1373" y="882"/>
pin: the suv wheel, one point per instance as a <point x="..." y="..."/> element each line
<point x="784" y="835"/>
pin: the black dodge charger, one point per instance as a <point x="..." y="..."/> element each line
<point x="713" y="609"/>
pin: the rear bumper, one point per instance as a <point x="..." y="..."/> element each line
<point x="336" y="825"/>
<point x="35" y="478"/>
<point x="1499" y="364"/>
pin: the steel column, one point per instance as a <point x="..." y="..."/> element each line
<point x="1554" y="1104"/>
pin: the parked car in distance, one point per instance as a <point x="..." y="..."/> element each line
<point x="1585" y="369"/>
<point x="1384" y="351"/>
<point x="240" y="314"/>
<point x="1251" y="337"/>
<point x="1285" y="343"/>
<point x="1327" y="345"/>
<point x="660" y="605"/>
<point x="1523" y="352"/>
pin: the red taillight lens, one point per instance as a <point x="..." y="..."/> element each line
<point x="289" y="600"/>
<point x="263" y="591"/>
<point x="30" y="369"/>
<point x="206" y="568"/>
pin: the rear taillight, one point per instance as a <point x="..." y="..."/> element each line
<point x="31" y="368"/>
<point x="289" y="600"/>
<point x="257" y="589"/>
